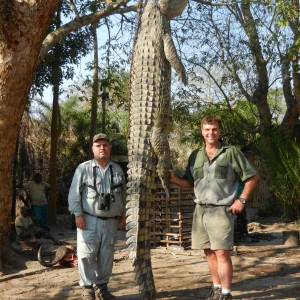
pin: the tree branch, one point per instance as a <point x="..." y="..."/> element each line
<point x="210" y="3"/>
<point x="55" y="36"/>
<point x="74" y="8"/>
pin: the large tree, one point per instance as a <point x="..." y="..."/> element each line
<point x="23" y="27"/>
<point x="23" y="43"/>
<point x="246" y="51"/>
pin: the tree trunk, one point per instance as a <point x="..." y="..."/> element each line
<point x="95" y="91"/>
<point x="260" y="94"/>
<point x="290" y="64"/>
<point x="295" y="26"/>
<point x="104" y="96"/>
<point x="55" y="133"/>
<point x="23" y="27"/>
<point x="55" y="125"/>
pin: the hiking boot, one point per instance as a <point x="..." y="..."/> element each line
<point x="214" y="294"/>
<point x="102" y="293"/>
<point x="88" y="293"/>
<point x="225" y="297"/>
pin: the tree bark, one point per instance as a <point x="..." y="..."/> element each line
<point x="95" y="91"/>
<point x="295" y="26"/>
<point x="23" y="27"/>
<point x="55" y="125"/>
<point x="290" y="64"/>
<point x="55" y="133"/>
<point x="260" y="93"/>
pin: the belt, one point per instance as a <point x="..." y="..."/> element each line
<point x="102" y="218"/>
<point x="210" y="205"/>
<point x="107" y="218"/>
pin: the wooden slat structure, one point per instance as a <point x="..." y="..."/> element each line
<point x="172" y="220"/>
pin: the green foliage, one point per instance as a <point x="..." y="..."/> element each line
<point x="117" y="82"/>
<point x="113" y="80"/>
<point x="286" y="12"/>
<point x="75" y="122"/>
<point x="119" y="145"/>
<point x="74" y="141"/>
<point x="283" y="166"/>
<point x="239" y="127"/>
<point x="66" y="54"/>
<point x="239" y="124"/>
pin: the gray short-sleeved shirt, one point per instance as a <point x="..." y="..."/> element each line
<point x="84" y="196"/>
<point x="216" y="182"/>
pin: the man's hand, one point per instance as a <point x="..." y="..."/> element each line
<point x="80" y="222"/>
<point x="181" y="182"/>
<point x="172" y="176"/>
<point x="237" y="207"/>
<point x="122" y="223"/>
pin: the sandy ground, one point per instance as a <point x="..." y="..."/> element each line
<point x="266" y="269"/>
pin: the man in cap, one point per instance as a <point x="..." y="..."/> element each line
<point x="97" y="200"/>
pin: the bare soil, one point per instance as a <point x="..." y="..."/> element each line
<point x="265" y="269"/>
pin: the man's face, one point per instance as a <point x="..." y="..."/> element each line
<point x="101" y="149"/>
<point x="211" y="133"/>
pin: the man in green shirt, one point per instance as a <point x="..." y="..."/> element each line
<point x="215" y="171"/>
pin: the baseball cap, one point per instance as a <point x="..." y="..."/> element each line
<point x="100" y="136"/>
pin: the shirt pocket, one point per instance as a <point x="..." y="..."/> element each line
<point x="91" y="191"/>
<point x="199" y="171"/>
<point x="221" y="171"/>
<point x="118" y="182"/>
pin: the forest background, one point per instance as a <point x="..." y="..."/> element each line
<point x="242" y="61"/>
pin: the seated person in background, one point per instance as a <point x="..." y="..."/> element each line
<point x="28" y="234"/>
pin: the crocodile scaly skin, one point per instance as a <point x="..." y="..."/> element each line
<point x="150" y="123"/>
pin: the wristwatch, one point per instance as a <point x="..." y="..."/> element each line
<point x="243" y="200"/>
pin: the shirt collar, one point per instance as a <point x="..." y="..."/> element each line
<point x="94" y="163"/>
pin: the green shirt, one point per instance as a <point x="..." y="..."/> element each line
<point x="37" y="192"/>
<point x="216" y="181"/>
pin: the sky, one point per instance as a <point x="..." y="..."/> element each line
<point x="80" y="69"/>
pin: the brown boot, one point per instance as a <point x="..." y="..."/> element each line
<point x="215" y="294"/>
<point x="102" y="293"/>
<point x="225" y="297"/>
<point x="88" y="293"/>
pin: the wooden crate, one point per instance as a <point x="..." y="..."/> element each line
<point x="172" y="220"/>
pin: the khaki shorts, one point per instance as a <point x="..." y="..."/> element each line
<point x="212" y="228"/>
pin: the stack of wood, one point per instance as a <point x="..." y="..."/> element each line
<point x="172" y="220"/>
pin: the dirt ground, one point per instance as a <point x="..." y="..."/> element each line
<point x="265" y="269"/>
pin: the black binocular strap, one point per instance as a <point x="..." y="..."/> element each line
<point x="112" y="186"/>
<point x="111" y="179"/>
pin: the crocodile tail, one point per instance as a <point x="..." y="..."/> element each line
<point x="139" y="207"/>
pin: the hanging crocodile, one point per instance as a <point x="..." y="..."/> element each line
<point x="154" y="54"/>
